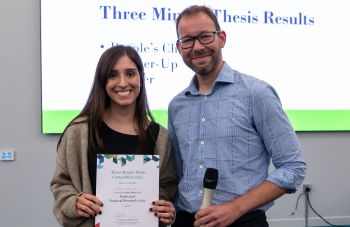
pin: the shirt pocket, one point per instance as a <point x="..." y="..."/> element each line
<point x="187" y="123"/>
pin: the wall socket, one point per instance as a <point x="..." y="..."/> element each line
<point x="7" y="154"/>
<point x="307" y="188"/>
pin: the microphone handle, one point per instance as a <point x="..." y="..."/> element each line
<point x="207" y="197"/>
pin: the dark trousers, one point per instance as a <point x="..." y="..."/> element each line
<point x="255" y="218"/>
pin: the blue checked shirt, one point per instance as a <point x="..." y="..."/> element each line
<point x="237" y="128"/>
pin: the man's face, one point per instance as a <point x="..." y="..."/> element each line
<point x="203" y="59"/>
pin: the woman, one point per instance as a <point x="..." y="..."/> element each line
<point x="115" y="118"/>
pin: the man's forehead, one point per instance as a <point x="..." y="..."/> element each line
<point x="195" y="24"/>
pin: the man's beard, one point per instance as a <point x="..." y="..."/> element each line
<point x="207" y="69"/>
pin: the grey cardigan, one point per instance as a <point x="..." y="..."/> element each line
<point x="72" y="175"/>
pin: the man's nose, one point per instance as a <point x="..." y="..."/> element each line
<point x="197" y="44"/>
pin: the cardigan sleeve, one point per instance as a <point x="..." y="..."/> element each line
<point x="70" y="175"/>
<point x="168" y="176"/>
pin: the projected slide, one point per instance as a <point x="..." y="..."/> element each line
<point x="299" y="47"/>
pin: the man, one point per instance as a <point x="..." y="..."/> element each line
<point x="232" y="122"/>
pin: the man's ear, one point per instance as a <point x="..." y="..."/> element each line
<point x="178" y="47"/>
<point x="222" y="38"/>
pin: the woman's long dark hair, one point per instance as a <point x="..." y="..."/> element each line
<point x="99" y="101"/>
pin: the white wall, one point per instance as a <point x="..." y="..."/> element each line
<point x="25" y="198"/>
<point x="327" y="156"/>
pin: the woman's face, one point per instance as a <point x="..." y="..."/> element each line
<point x="124" y="84"/>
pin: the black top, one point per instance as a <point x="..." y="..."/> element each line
<point x="118" y="143"/>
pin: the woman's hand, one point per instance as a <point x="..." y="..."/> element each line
<point x="164" y="210"/>
<point x="88" y="205"/>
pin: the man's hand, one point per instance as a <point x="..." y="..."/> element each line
<point x="218" y="216"/>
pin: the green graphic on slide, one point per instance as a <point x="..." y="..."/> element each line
<point x="54" y="121"/>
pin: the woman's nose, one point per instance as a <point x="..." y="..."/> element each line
<point x="122" y="81"/>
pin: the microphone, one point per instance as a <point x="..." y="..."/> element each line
<point x="210" y="181"/>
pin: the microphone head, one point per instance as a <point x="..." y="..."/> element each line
<point x="210" y="179"/>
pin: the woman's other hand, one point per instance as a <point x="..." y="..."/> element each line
<point x="88" y="205"/>
<point x="164" y="210"/>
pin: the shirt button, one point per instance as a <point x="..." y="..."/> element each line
<point x="202" y="142"/>
<point x="201" y="191"/>
<point x="205" y="97"/>
<point x="200" y="166"/>
<point x="203" y="119"/>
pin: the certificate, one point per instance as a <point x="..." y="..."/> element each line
<point x="127" y="185"/>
